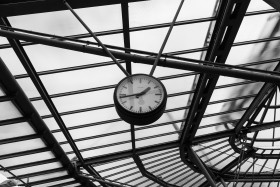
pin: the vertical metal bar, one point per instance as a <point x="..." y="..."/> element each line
<point x="275" y="103"/>
<point x="166" y="38"/>
<point x="126" y="33"/>
<point x="95" y="37"/>
<point x="202" y="167"/>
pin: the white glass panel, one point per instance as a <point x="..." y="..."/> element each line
<point x="249" y="30"/>
<point x="48" y="176"/>
<point x="8" y="111"/>
<point x="154" y="131"/>
<point x="182" y="84"/>
<point x="85" y="100"/>
<point x="48" y="58"/>
<point x="100" y="130"/>
<point x="26" y="159"/>
<point x="182" y="37"/>
<point x="60" y="182"/>
<point x="12" y="62"/>
<point x="21" y="146"/>
<point x="38" y="168"/>
<point x="157" y="140"/>
<point x="163" y="11"/>
<point x="15" y="130"/>
<point x="28" y="87"/>
<point x="64" y="22"/>
<point x="90" y="117"/>
<point x="83" y="79"/>
<point x="107" y="150"/>
<point x="41" y="107"/>
<point x="159" y="72"/>
<point x="2" y="93"/>
<point x="256" y="5"/>
<point x="103" y="141"/>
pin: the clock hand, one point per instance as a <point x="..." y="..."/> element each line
<point x="143" y="92"/>
<point x="136" y="94"/>
<point x="123" y="96"/>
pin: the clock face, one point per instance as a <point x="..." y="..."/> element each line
<point x="140" y="93"/>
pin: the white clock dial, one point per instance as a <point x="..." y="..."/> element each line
<point x="140" y="93"/>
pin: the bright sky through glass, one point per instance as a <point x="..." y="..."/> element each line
<point x="83" y="94"/>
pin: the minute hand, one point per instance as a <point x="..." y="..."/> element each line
<point x="137" y="94"/>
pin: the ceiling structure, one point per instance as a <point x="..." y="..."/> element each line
<point x="58" y="125"/>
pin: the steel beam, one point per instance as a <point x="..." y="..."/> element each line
<point x="21" y="7"/>
<point x="229" y="18"/>
<point x="42" y="90"/>
<point x="27" y="109"/>
<point x="126" y="33"/>
<point x="207" y="173"/>
<point x="211" y="68"/>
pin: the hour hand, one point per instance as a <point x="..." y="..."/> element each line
<point x="143" y="92"/>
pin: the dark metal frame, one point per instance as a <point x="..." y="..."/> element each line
<point x="228" y="20"/>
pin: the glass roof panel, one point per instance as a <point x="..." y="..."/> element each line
<point x="22" y="129"/>
<point x="27" y="158"/>
<point x="39" y="168"/>
<point x="64" y="23"/>
<point x="9" y="111"/>
<point x="22" y="146"/>
<point x="191" y="36"/>
<point x="12" y="61"/>
<point x="190" y="10"/>
<point x="257" y="5"/>
<point x="2" y="93"/>
<point x="81" y="87"/>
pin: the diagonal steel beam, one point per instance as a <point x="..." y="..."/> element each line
<point x="23" y="57"/>
<point x="27" y="109"/>
<point x="228" y="21"/>
<point x="230" y="16"/>
<point x="21" y="7"/>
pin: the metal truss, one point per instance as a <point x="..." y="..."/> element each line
<point x="228" y="21"/>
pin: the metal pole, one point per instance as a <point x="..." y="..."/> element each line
<point x="95" y="37"/>
<point x="223" y="182"/>
<point x="213" y="69"/>
<point x="202" y="167"/>
<point x="166" y="37"/>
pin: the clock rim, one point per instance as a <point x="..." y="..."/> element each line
<point x="140" y="118"/>
<point x="164" y="99"/>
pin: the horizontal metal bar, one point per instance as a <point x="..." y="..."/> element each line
<point x="18" y="139"/>
<point x="32" y="164"/>
<point x="6" y="98"/>
<point x="24" y="153"/>
<point x="13" y="121"/>
<point x="39" y="173"/>
<point x="128" y="154"/>
<point x="210" y="69"/>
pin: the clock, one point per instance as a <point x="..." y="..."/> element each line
<point x="140" y="99"/>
